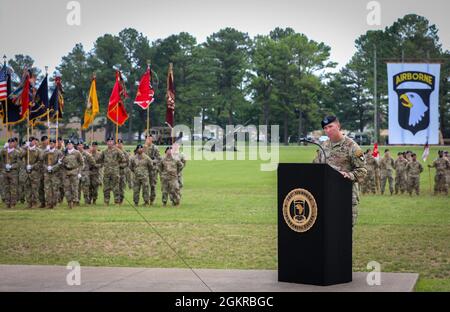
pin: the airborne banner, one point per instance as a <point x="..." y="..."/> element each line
<point x="413" y="90"/>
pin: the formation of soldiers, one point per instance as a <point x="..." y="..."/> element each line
<point x="407" y="171"/>
<point x="43" y="173"/>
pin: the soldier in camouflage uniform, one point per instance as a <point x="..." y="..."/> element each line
<point x="123" y="167"/>
<point x="43" y="146"/>
<point x="85" y="180"/>
<point x="111" y="159"/>
<point x="95" y="174"/>
<point x="23" y="176"/>
<point x="60" y="174"/>
<point x="141" y="166"/>
<point x="180" y="156"/>
<point x="400" y="173"/>
<point x="169" y="168"/>
<point x="371" y="166"/>
<point x="32" y="156"/>
<point x="442" y="166"/>
<point x="413" y="171"/>
<point x="152" y="151"/>
<point x="72" y="163"/>
<point x="448" y="171"/>
<point x="9" y="158"/>
<point x="386" y="172"/>
<point x="345" y="156"/>
<point x="51" y="161"/>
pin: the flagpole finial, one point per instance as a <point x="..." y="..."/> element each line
<point x="4" y="58"/>
<point x="46" y="70"/>
<point x="94" y="75"/>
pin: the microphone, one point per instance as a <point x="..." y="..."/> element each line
<point x="306" y="140"/>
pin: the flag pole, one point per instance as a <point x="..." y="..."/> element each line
<point x="6" y="109"/>
<point x="148" y="108"/>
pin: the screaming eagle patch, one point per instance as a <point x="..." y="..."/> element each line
<point x="413" y="89"/>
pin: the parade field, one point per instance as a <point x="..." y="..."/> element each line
<point x="227" y="219"/>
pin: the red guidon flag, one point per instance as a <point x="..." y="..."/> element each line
<point x="170" y="97"/>
<point x="375" y="153"/>
<point x="145" y="93"/>
<point x="116" y="108"/>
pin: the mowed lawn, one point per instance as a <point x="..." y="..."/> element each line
<point x="227" y="219"/>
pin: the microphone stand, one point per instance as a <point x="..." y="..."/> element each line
<point x="314" y="143"/>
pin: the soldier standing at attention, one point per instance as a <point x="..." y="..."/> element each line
<point x="72" y="163"/>
<point x="386" y="171"/>
<point x="169" y="168"/>
<point x="123" y="166"/>
<point x="400" y="173"/>
<point x="448" y="171"/>
<point x="10" y="159"/>
<point x="152" y="151"/>
<point x="60" y="175"/>
<point x="442" y="166"/>
<point x="413" y="170"/>
<point x="345" y="156"/>
<point x="44" y="145"/>
<point x="371" y="166"/>
<point x="141" y="166"/>
<point x="51" y="161"/>
<point x="32" y="156"/>
<point x="95" y="173"/>
<point x="111" y="158"/>
<point x="85" y="182"/>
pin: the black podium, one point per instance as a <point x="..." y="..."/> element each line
<point x="314" y="225"/>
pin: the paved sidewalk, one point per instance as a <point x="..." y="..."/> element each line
<point x="53" y="278"/>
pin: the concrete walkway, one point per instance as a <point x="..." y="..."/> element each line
<point x="54" y="278"/>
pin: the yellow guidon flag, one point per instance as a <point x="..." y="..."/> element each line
<point x="91" y="106"/>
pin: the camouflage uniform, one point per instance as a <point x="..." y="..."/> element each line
<point x="413" y="170"/>
<point x="10" y="178"/>
<point x="182" y="158"/>
<point x="85" y="181"/>
<point x="72" y="163"/>
<point x="60" y="178"/>
<point x="153" y="152"/>
<point x="94" y="179"/>
<point x="141" y="166"/>
<point x="442" y="165"/>
<point x="371" y="166"/>
<point x="169" y="168"/>
<point x="51" y="180"/>
<point x="23" y="179"/>
<point x="43" y="148"/>
<point x="111" y="158"/>
<point x="347" y="156"/>
<point x="400" y="175"/>
<point x="33" y="157"/>
<point x="386" y="172"/>
<point x="123" y="166"/>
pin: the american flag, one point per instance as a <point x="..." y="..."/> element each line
<point x="3" y="84"/>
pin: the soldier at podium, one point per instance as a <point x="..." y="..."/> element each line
<point x="344" y="155"/>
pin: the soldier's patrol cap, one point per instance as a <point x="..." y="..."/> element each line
<point x="413" y="155"/>
<point x="10" y="140"/>
<point x="386" y="150"/>
<point x="15" y="139"/>
<point x="44" y="137"/>
<point x="32" y="139"/>
<point x="52" y="141"/>
<point x="110" y="139"/>
<point x="139" y="146"/>
<point x="80" y="142"/>
<point x="149" y="136"/>
<point x="60" y="138"/>
<point x="86" y="146"/>
<point x="168" y="148"/>
<point x="94" y="143"/>
<point x="119" y="141"/>
<point x="327" y="120"/>
<point x="70" y="141"/>
<point x="399" y="153"/>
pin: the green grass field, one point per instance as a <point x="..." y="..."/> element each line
<point x="227" y="219"/>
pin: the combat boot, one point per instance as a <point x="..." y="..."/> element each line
<point x="70" y="205"/>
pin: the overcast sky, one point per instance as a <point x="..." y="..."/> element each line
<point x="39" y="28"/>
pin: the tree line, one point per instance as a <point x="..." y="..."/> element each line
<point x="282" y="78"/>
